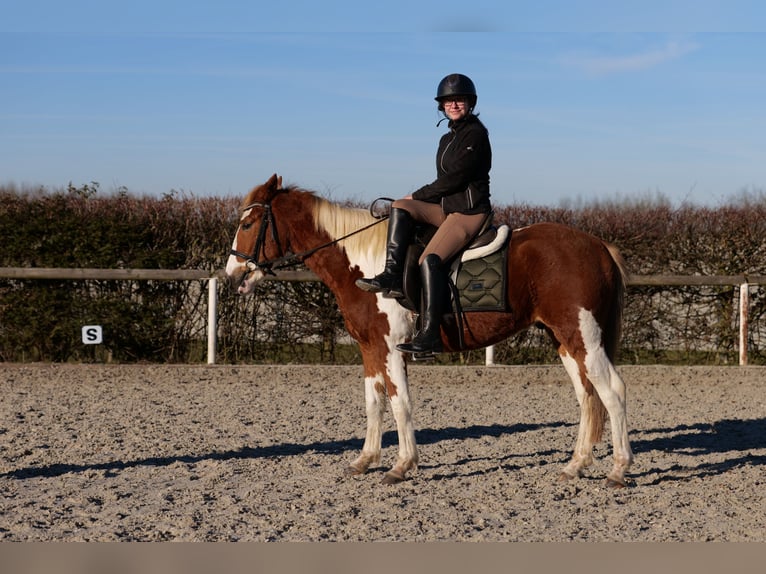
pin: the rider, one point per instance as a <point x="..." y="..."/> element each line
<point x="456" y="202"/>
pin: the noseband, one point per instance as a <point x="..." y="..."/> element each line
<point x="283" y="260"/>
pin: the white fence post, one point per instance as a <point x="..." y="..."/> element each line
<point x="489" y="357"/>
<point x="744" y="303"/>
<point x="212" y="319"/>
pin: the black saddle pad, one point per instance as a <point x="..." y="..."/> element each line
<point x="481" y="283"/>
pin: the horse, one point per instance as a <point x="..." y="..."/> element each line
<point x="562" y="279"/>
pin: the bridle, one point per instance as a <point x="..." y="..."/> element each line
<point x="284" y="260"/>
<point x="252" y="261"/>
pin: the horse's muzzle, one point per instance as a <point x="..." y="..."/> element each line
<point x="245" y="280"/>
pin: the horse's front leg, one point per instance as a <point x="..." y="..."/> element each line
<point x="391" y="384"/>
<point x="399" y="394"/>
<point x="375" y="402"/>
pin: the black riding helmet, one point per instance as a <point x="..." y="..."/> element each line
<point x="456" y="85"/>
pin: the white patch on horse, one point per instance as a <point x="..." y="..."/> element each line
<point x="370" y="262"/>
<point x="400" y="322"/>
<point x="232" y="265"/>
<point x="573" y="370"/>
<point x="591" y="333"/>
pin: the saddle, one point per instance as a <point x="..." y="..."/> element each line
<point x="477" y="274"/>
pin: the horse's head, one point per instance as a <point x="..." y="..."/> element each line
<point x="256" y="242"/>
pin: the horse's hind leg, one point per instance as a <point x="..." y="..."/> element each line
<point x="611" y="388"/>
<point x="591" y="419"/>
<point x="599" y="387"/>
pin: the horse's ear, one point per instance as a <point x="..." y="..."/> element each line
<point x="272" y="187"/>
<point x="275" y="182"/>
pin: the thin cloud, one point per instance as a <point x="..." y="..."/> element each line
<point x="604" y="65"/>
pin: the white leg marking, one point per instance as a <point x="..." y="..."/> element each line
<point x="375" y="406"/>
<point x="401" y="407"/>
<point x="583" y="451"/>
<point x="611" y="388"/>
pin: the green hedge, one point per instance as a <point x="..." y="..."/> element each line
<point x="164" y="321"/>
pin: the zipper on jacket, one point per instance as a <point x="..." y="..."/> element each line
<point x="446" y="148"/>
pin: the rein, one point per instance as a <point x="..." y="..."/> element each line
<point x="284" y="260"/>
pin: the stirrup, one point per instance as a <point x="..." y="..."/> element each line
<point x="394" y="293"/>
<point x="420" y="351"/>
<point x="387" y="284"/>
<point x="370" y="285"/>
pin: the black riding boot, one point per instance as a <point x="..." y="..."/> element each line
<point x="401" y="228"/>
<point x="436" y="295"/>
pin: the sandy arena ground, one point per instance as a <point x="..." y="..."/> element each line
<point x="225" y="453"/>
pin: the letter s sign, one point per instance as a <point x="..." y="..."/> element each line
<point x="92" y="335"/>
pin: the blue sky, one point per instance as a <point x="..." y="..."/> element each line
<point x="583" y="100"/>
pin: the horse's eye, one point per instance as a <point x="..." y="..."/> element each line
<point x="246" y="226"/>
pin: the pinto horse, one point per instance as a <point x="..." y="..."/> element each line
<point x="564" y="280"/>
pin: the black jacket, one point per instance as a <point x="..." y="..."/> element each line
<point x="463" y="161"/>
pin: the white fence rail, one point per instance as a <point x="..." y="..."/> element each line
<point x="745" y="282"/>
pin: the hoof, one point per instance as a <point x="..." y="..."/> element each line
<point x="564" y="477"/>
<point x="393" y="477"/>
<point x="612" y="483"/>
<point x="353" y="471"/>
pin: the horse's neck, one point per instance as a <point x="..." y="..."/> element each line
<point x="338" y="256"/>
<point x="347" y="239"/>
<point x="333" y="268"/>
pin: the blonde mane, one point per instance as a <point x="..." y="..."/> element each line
<point x="339" y="221"/>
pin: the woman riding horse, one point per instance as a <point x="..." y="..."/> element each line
<point x="457" y="203"/>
